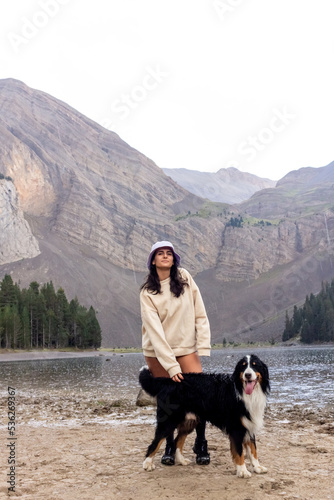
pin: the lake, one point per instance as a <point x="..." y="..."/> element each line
<point x="299" y="375"/>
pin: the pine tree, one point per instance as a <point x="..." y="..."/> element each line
<point x="7" y="324"/>
<point x="31" y="298"/>
<point x="94" y="329"/>
<point x="26" y="331"/>
<point x="297" y="320"/>
<point x="306" y="333"/>
<point x="2" y="330"/>
<point x="288" y="330"/>
<point x="16" y="328"/>
<point x="8" y="292"/>
<point x="62" y="318"/>
<point x="73" y="334"/>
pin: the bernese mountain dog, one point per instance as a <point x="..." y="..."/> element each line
<point x="233" y="403"/>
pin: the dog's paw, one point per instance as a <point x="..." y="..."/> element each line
<point x="243" y="472"/>
<point x="148" y="464"/>
<point x="259" y="469"/>
<point x="179" y="458"/>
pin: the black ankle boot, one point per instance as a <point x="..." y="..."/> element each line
<point x="201" y="450"/>
<point x="168" y="457"/>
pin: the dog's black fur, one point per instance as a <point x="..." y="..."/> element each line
<point x="233" y="403"/>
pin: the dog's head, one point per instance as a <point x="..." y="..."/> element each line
<point x="251" y="374"/>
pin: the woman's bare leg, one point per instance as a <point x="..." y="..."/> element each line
<point x="190" y="363"/>
<point x="156" y="368"/>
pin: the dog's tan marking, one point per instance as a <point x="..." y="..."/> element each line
<point x="179" y="458"/>
<point x="251" y="448"/>
<point x="180" y="440"/>
<point x="188" y="425"/>
<point x="191" y="416"/>
<point x="238" y="460"/>
<point x="157" y="449"/>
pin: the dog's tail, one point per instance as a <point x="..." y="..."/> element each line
<point x="148" y="382"/>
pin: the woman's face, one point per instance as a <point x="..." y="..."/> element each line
<point x="163" y="258"/>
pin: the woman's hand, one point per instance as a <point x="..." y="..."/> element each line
<point x="178" y="377"/>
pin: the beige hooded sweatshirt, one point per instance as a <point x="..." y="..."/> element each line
<point x="174" y="326"/>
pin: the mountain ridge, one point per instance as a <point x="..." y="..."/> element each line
<point x="300" y="192"/>
<point x="227" y="185"/>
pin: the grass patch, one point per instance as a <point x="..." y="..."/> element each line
<point x="254" y="221"/>
<point x="207" y="210"/>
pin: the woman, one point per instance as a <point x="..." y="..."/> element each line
<point x="176" y="329"/>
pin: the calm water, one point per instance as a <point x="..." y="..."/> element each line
<point x="302" y="376"/>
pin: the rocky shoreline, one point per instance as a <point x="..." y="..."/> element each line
<point x="6" y="355"/>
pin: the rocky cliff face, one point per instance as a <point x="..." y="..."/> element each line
<point x="16" y="239"/>
<point x="251" y="251"/>
<point x="95" y="206"/>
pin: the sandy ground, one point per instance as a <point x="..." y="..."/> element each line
<point x="74" y="447"/>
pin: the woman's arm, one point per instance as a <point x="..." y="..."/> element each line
<point x="202" y="325"/>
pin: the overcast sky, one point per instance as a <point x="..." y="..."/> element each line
<point x="198" y="84"/>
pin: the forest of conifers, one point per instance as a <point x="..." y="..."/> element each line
<point x="314" y="321"/>
<point x="40" y="317"/>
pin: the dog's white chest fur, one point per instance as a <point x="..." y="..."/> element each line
<point x="255" y="404"/>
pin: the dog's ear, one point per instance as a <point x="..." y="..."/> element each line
<point x="236" y="371"/>
<point x="266" y="371"/>
<point x="240" y="367"/>
<point x="265" y="378"/>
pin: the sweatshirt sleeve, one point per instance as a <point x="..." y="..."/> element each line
<point x="202" y="325"/>
<point x="156" y="334"/>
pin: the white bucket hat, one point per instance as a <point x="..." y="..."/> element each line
<point x="163" y="244"/>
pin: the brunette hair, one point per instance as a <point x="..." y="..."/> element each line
<point x="177" y="282"/>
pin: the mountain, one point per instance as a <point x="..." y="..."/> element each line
<point x="95" y="205"/>
<point x="228" y="185"/>
<point x="301" y="192"/>
<point x="90" y="206"/>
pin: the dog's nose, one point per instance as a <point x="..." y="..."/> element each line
<point x="248" y="376"/>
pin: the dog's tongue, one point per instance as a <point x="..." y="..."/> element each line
<point x="250" y="386"/>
